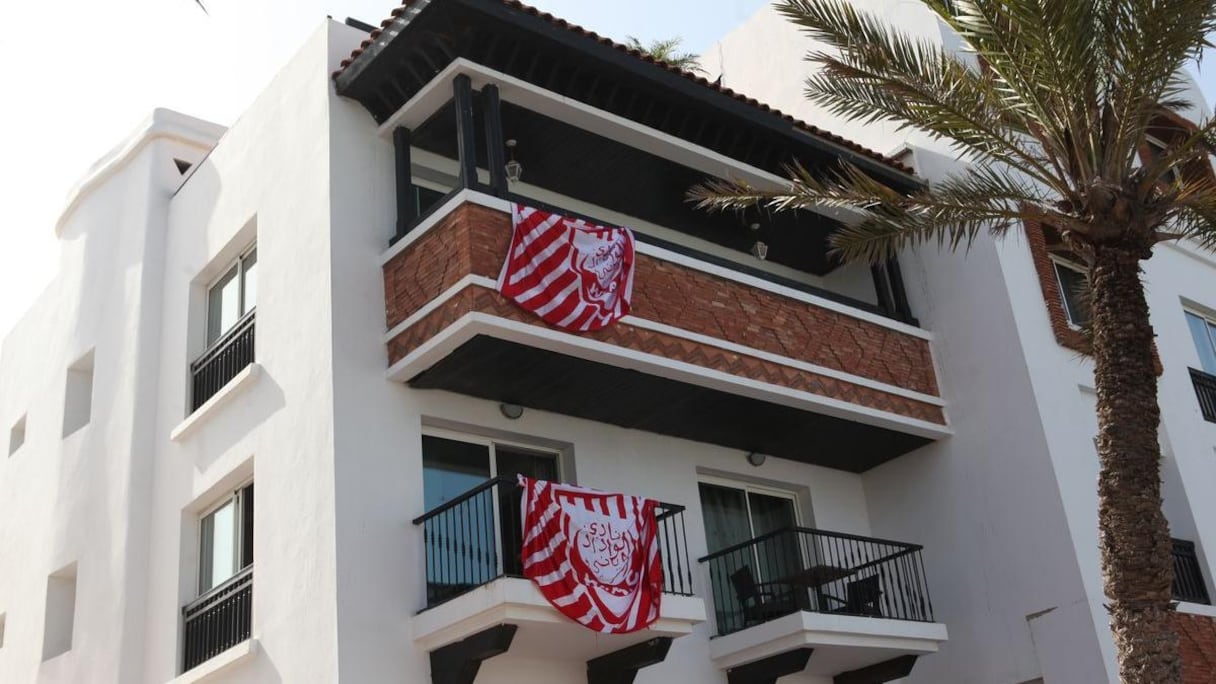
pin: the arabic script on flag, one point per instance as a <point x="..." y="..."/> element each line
<point x="572" y="274"/>
<point x="593" y="555"/>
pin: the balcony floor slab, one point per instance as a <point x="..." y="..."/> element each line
<point x="543" y="631"/>
<point x="841" y="642"/>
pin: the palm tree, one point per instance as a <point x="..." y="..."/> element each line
<point x="1051" y="103"/>
<point x="667" y="50"/>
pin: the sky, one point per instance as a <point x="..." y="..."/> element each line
<point x="82" y="74"/>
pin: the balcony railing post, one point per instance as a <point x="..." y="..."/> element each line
<point x="218" y="620"/>
<point x="477" y="537"/>
<point x="229" y="355"/>
<point x="1205" y="392"/>
<point x="844" y="574"/>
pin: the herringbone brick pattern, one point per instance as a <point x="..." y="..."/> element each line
<point x="1197" y="643"/>
<point x="474" y="239"/>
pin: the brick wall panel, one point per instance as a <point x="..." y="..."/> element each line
<point x="474" y="239"/>
<point x="1197" y="645"/>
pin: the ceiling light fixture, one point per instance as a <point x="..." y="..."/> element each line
<point x="511" y="411"/>
<point x="514" y="169"/>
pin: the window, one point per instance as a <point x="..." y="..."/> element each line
<point x="451" y="467"/>
<point x="2" y="619"/>
<point x="1074" y="287"/>
<point x="1156" y="150"/>
<point x="226" y="539"/>
<point x="16" y="436"/>
<point x="1203" y="331"/>
<point x="60" y="612"/>
<point x="232" y="296"/>
<point x="78" y="395"/>
<point x="735" y="514"/>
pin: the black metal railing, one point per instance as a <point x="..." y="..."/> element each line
<point x="230" y="354"/>
<point x="1188" y="575"/>
<point x="795" y="569"/>
<point x="219" y="619"/>
<point x="477" y="537"/>
<point x="1205" y="390"/>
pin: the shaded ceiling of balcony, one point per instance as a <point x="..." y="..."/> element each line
<point x="430" y="34"/>
<point x="503" y="371"/>
<point x="576" y="163"/>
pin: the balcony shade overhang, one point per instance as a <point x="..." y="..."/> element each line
<point x="425" y="36"/>
<point x="500" y="370"/>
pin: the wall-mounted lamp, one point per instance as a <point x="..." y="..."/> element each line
<point x="754" y="226"/>
<point x="756" y="458"/>
<point x="511" y="411"/>
<point x="760" y="250"/>
<point x="513" y="168"/>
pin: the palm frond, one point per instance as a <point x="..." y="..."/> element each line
<point x="951" y="213"/>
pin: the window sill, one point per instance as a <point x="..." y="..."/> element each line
<point x="220" y="664"/>
<point x="239" y="382"/>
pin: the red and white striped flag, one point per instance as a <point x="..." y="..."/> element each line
<point x="572" y="274"/>
<point x="594" y="555"/>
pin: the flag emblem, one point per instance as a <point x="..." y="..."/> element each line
<point x="593" y="555"/>
<point x="574" y="275"/>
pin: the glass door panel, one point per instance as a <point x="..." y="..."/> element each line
<point x="512" y="462"/>
<point x="460" y="551"/>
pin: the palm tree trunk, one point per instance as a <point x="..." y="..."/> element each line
<point x="1137" y="566"/>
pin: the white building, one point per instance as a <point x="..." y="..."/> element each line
<point x="792" y="414"/>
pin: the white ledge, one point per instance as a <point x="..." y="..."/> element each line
<point x="1196" y="609"/>
<point x="239" y="382"/>
<point x="204" y="672"/>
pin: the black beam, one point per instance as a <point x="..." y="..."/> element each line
<point x="882" y="289"/>
<point x="620" y="667"/>
<point x="899" y="294"/>
<point x="407" y="199"/>
<point x="886" y="671"/>
<point x="458" y="663"/>
<point x="466" y="143"/>
<point x="767" y="671"/>
<point x="497" y="163"/>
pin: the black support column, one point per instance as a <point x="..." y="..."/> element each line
<point x="767" y="671"/>
<point x="407" y="199"/>
<point x="458" y="663"/>
<point x="881" y="673"/>
<point x="620" y="667"/>
<point x="466" y="140"/>
<point x="495" y="159"/>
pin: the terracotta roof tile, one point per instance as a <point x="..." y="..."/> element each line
<point x="562" y="23"/>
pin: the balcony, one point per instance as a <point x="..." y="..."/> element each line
<point x="848" y="602"/>
<point x="1205" y="391"/>
<point x="472" y="546"/>
<point x="709" y="353"/>
<point x="1189" y="585"/>
<point x="227" y="357"/>
<point x="218" y="620"/>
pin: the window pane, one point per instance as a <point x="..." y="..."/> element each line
<point x="461" y="542"/>
<point x="451" y="468"/>
<point x="251" y="282"/>
<point x="725" y="513"/>
<point x="1204" y="334"/>
<point x="1073" y="286"/>
<point x="219" y="561"/>
<point x="247" y="526"/>
<point x="223" y="304"/>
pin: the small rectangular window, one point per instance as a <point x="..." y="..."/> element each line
<point x="232" y="296"/>
<point x="1203" y="331"/>
<point x="1074" y="287"/>
<point x="78" y="395"/>
<point x="16" y="436"/>
<point x="2" y="619"/>
<point x="226" y="540"/>
<point x="60" y="612"/>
